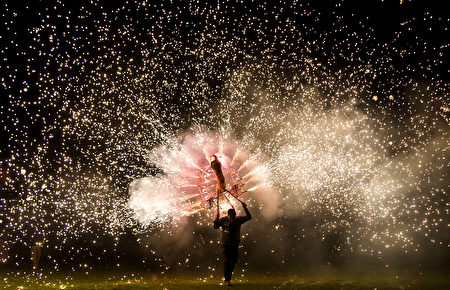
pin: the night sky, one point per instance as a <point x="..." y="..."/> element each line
<point x="335" y="115"/>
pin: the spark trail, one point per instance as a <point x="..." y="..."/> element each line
<point x="108" y="113"/>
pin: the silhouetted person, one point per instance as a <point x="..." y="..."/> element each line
<point x="36" y="254"/>
<point x="231" y="228"/>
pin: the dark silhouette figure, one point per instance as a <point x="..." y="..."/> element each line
<point x="36" y="250"/>
<point x="231" y="228"/>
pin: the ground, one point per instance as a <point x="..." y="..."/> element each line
<point x="253" y="281"/>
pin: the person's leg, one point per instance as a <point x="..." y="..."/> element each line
<point x="227" y="265"/>
<point x="234" y="253"/>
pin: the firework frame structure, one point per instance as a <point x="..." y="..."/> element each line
<point x="218" y="170"/>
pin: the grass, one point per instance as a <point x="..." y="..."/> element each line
<point x="252" y="281"/>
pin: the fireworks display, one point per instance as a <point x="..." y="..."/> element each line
<point x="335" y="118"/>
<point x="188" y="185"/>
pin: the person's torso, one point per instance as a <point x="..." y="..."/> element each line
<point x="231" y="231"/>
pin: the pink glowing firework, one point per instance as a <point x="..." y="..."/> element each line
<point x="222" y="194"/>
<point x="194" y="180"/>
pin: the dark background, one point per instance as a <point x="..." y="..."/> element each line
<point x="36" y="65"/>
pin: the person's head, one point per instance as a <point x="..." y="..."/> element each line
<point x="231" y="213"/>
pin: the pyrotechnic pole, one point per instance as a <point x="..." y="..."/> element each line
<point x="232" y="196"/>
<point x="227" y="198"/>
<point x="218" y="202"/>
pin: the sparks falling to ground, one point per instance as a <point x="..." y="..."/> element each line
<point x="110" y="113"/>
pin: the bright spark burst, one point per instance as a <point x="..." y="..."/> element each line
<point x="104" y="112"/>
<point x="178" y="191"/>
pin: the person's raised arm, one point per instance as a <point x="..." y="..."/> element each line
<point x="248" y="216"/>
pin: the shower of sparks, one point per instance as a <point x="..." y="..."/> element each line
<point x="108" y="112"/>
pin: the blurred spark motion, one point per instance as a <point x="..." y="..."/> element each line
<point x="110" y="114"/>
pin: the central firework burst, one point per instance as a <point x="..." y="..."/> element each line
<point x="187" y="184"/>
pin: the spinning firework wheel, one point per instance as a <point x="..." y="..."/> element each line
<point x="208" y="182"/>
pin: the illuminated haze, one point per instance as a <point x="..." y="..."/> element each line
<point x="340" y="131"/>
